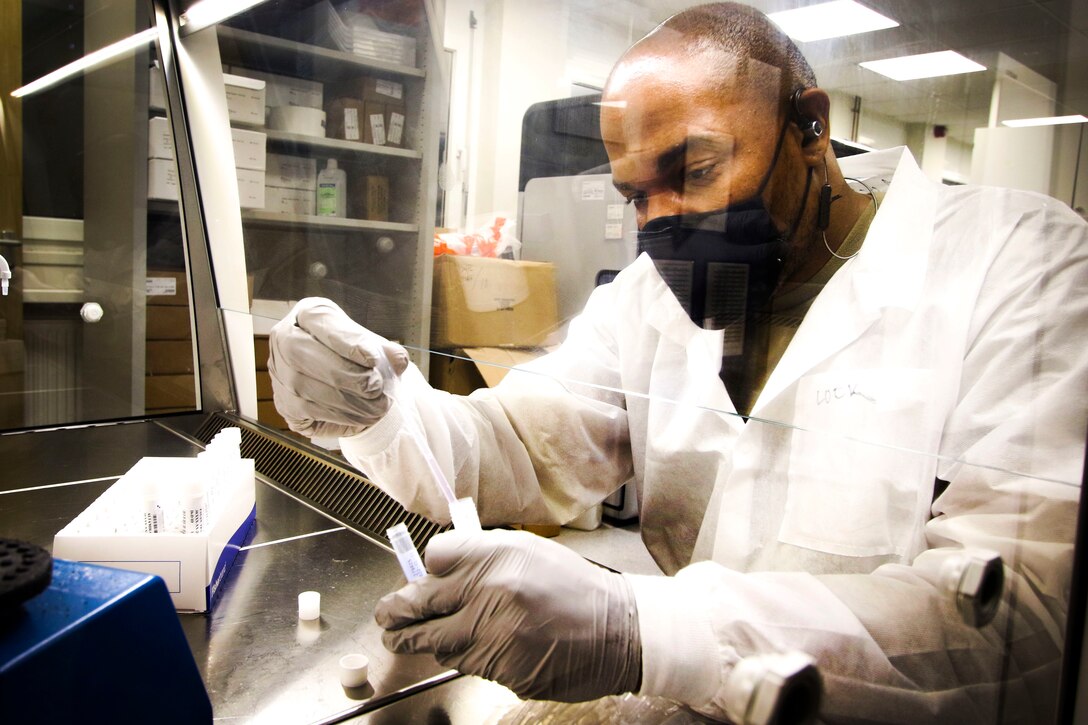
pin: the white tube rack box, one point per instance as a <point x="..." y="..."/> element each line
<point x="183" y="519"/>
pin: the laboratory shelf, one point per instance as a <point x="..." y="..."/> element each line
<point x="325" y="61"/>
<point x="334" y="144"/>
<point x="278" y="219"/>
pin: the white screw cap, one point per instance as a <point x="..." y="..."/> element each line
<point x="309" y="605"/>
<point x="354" y="670"/>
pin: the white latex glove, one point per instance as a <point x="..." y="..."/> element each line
<point x="523" y="611"/>
<point x="330" y="376"/>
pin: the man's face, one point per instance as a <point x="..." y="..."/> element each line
<point x="684" y="138"/>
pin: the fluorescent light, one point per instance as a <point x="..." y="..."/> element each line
<point x="926" y="65"/>
<point x="87" y="62"/>
<point x="830" y="20"/>
<point x="209" y="12"/>
<point x="1047" y="121"/>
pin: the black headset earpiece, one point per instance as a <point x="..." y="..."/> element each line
<point x="810" y="127"/>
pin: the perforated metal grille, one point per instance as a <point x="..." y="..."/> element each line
<point x="331" y="487"/>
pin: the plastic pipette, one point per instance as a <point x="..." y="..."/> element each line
<point x="462" y="510"/>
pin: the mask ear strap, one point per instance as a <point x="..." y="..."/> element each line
<point x="774" y="159"/>
<point x="804" y="203"/>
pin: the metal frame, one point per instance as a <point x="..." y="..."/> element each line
<point x="214" y="255"/>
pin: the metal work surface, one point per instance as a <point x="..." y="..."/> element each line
<point x="259" y="661"/>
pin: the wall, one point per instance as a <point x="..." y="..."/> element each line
<point x="523" y="52"/>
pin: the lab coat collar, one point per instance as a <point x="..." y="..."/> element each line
<point x="702" y="349"/>
<point x="888" y="271"/>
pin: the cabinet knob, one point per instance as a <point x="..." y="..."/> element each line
<point x="975" y="579"/>
<point x="91" y="312"/>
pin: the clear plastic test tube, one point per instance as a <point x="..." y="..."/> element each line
<point x="410" y="563"/>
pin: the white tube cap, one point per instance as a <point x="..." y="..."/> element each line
<point x="354" y="670"/>
<point x="309" y="605"/>
<point x="464" y="516"/>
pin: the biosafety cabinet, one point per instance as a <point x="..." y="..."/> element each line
<point x="175" y="175"/>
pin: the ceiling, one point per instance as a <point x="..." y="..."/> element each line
<point x="1048" y="36"/>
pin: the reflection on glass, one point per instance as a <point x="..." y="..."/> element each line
<point x="97" y="323"/>
<point x="336" y="101"/>
<point x="833" y="435"/>
<point x="838" y="396"/>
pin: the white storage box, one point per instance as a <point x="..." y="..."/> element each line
<point x="291" y="172"/>
<point x="287" y="90"/>
<point x="194" y="566"/>
<point x="249" y="149"/>
<point x="162" y="179"/>
<point x="250" y="188"/>
<point x="160" y="140"/>
<point x="290" y="201"/>
<point x="249" y="146"/>
<point x="245" y="99"/>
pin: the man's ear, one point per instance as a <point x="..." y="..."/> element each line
<point x="810" y="108"/>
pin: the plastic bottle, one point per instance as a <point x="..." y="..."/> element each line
<point x="332" y="187"/>
<point x="153" y="521"/>
<point x="194" y="507"/>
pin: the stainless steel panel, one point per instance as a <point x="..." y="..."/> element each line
<point x="259" y="661"/>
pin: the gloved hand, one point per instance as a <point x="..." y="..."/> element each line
<point x="330" y="376"/>
<point x="523" y="611"/>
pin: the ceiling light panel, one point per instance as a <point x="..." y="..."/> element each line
<point x="925" y="65"/>
<point x="830" y="20"/>
<point x="1047" y="121"/>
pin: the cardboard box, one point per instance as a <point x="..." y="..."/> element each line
<point x="167" y="287"/>
<point x="394" y="126"/>
<point x="374" y="123"/>
<point x="344" y="118"/>
<point x="176" y="392"/>
<point x="368" y="198"/>
<point x="484" y="367"/>
<point x="377" y="89"/>
<point x="487" y="302"/>
<point x="194" y="566"/>
<point x="250" y="188"/>
<point x="162" y="179"/>
<point x="169" y="357"/>
<point x="168" y="322"/>
<point x="264" y="385"/>
<point x="267" y="414"/>
<point x="245" y="99"/>
<point x="260" y="351"/>
<point x="290" y="172"/>
<point x="290" y="201"/>
<point x="382" y="114"/>
<point x="249" y="149"/>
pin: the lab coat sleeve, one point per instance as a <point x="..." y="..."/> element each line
<point x="890" y="644"/>
<point x="547" y="443"/>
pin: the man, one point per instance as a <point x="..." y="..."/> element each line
<point x="907" y="383"/>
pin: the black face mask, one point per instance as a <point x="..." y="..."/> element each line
<point x="722" y="265"/>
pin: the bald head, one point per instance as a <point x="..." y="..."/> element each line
<point x="739" y="43"/>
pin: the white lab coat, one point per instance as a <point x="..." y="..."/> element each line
<point x="950" y="347"/>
